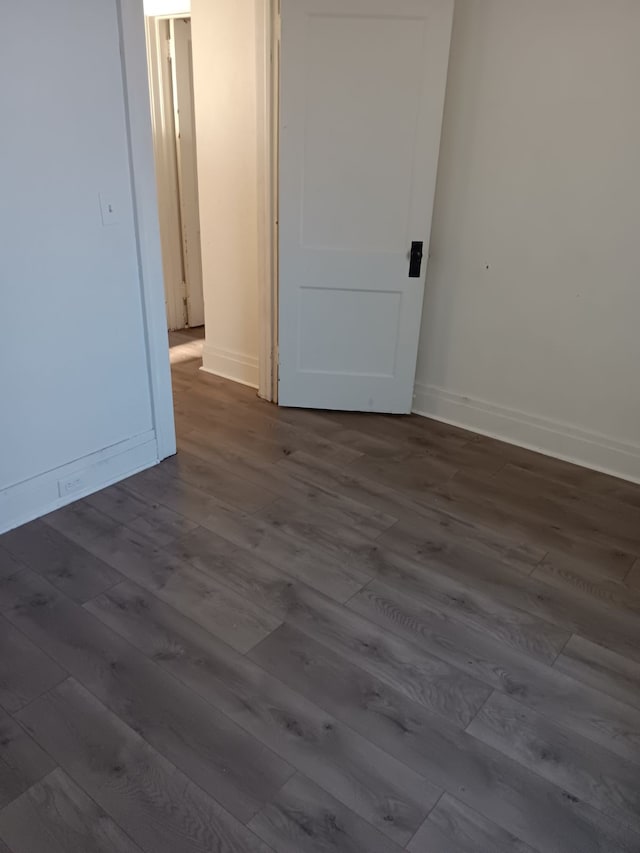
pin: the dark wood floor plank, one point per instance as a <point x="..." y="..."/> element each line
<point x="509" y="794"/>
<point x="423" y="677"/>
<point x="521" y="498"/>
<point x="577" y="765"/>
<point x="236" y="620"/>
<point x="222" y="484"/>
<point x="368" y="781"/>
<point x="68" y="566"/>
<point x="598" y="517"/>
<point x="345" y="481"/>
<point x="603" y="590"/>
<point x="418" y="535"/>
<point x="270" y="439"/>
<point x="437" y="511"/>
<point x="602" y="669"/>
<point x="161" y="524"/>
<point x="9" y="565"/>
<point x="412" y="480"/>
<point x="22" y="761"/>
<point x="417" y="566"/>
<point x="375" y="446"/>
<point x="80" y="522"/>
<point x="560" y="471"/>
<point x="56" y="816"/>
<point x="419" y="435"/>
<point x="564" y="610"/>
<point x="180" y="497"/>
<point x="25" y="671"/>
<point x="614" y="566"/>
<point x="206" y="745"/>
<point x="472" y="498"/>
<point x="462" y="595"/>
<point x="148" y="517"/>
<point x="452" y="827"/>
<point x="269" y="475"/>
<point x="305" y="819"/>
<point x="569" y="701"/>
<point x="340" y="533"/>
<point x="282" y="544"/>
<point x="118" y="503"/>
<point x="153" y="802"/>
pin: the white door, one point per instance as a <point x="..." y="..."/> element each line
<point x="362" y="95"/>
<point x="187" y="167"/>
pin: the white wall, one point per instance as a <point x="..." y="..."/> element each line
<point x="531" y="326"/>
<point x="167" y="7"/>
<point x="225" y="83"/>
<point x="76" y="405"/>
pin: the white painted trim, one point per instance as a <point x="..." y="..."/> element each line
<point x="231" y="365"/>
<point x="187" y="168"/>
<point x="164" y="143"/>
<point x="267" y="153"/>
<point x="138" y="115"/>
<point x="40" y="495"/>
<point x="560" y="440"/>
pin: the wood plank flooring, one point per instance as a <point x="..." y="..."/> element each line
<point x="321" y="631"/>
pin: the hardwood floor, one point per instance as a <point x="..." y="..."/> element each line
<point x="317" y="631"/>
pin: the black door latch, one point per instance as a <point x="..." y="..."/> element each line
<point x="415" y="263"/>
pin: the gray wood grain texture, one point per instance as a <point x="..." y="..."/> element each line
<point x="604" y="590"/>
<point x="311" y="564"/>
<point x="427" y="679"/>
<point x="479" y="775"/>
<point x="25" y="671"/>
<point x="467" y="602"/>
<point x="153" y="802"/>
<point x="22" y="761"/>
<point x="74" y="570"/>
<point x="305" y="819"/>
<point x="56" y="816"/>
<point x="144" y="516"/>
<point x="237" y="620"/>
<point x="274" y="477"/>
<point x="569" y="701"/>
<point x="452" y="827"/>
<point x="602" y="669"/>
<point x="80" y="522"/>
<point x="376" y="786"/>
<point x="352" y="632"/>
<point x="9" y="565"/>
<point x="577" y="765"/>
<point x="218" y="755"/>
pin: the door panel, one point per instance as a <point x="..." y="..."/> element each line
<point x="362" y="94"/>
<point x="188" y="168"/>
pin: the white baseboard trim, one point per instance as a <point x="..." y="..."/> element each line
<point x="231" y="365"/>
<point x="42" y="494"/>
<point x="560" y="440"/>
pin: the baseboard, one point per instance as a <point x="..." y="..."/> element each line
<point x="40" y="495"/>
<point x="562" y="441"/>
<point x="231" y="365"/>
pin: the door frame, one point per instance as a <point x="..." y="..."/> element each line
<point x="145" y="209"/>
<point x="164" y="143"/>
<point x="145" y="201"/>
<point x="268" y="78"/>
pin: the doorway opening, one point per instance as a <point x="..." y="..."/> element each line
<point x="219" y="288"/>
<point x="170" y="60"/>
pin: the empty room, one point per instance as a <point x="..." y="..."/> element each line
<point x="320" y="426"/>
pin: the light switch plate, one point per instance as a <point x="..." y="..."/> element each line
<point x="108" y="210"/>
